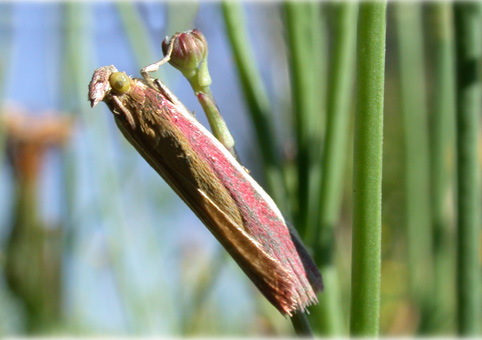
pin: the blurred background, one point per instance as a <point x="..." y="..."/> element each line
<point x="94" y="242"/>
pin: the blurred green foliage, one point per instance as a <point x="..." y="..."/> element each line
<point x="124" y="259"/>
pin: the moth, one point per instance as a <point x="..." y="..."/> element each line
<point x="236" y="210"/>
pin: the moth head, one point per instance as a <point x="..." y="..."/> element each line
<point x="100" y="85"/>
<point x="120" y="82"/>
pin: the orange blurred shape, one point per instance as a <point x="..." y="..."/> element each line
<point x="29" y="136"/>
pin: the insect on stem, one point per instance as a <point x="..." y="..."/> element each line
<point x="199" y="168"/>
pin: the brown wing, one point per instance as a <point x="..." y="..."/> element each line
<point x="193" y="181"/>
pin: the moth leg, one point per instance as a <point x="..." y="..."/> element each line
<point x="154" y="67"/>
<point x="125" y="111"/>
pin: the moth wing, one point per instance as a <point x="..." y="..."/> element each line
<point x="265" y="272"/>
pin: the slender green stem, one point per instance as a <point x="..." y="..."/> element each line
<point x="327" y="318"/>
<point x="205" y="97"/>
<point x="318" y="14"/>
<point x="442" y="147"/>
<point x="318" y="32"/>
<point x="23" y="250"/>
<point x="218" y="125"/>
<point x="469" y="52"/>
<point x="256" y="99"/>
<point x="301" y="325"/>
<point x="415" y="130"/>
<point x="366" y="252"/>
<point x="298" y="22"/>
<point x="341" y="86"/>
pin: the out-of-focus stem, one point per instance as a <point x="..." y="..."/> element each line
<point x="301" y="325"/>
<point x="341" y="86"/>
<point x="33" y="256"/>
<point x="298" y="19"/>
<point x="366" y="243"/>
<point x="469" y="53"/>
<point x="442" y="147"/>
<point x="417" y="179"/>
<point x="318" y="14"/>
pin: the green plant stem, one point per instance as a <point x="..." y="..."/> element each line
<point x="298" y="22"/>
<point x="469" y="52"/>
<point x="301" y="325"/>
<point x="341" y="86"/>
<point x="442" y="147"/>
<point x="33" y="273"/>
<point x="318" y="13"/>
<point x="417" y="179"/>
<point x="256" y="99"/>
<point x="216" y="121"/>
<point x="366" y="242"/>
<point x="318" y="18"/>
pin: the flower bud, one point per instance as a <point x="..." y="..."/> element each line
<point x="189" y="50"/>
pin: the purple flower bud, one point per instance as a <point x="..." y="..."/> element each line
<point x="189" y="50"/>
